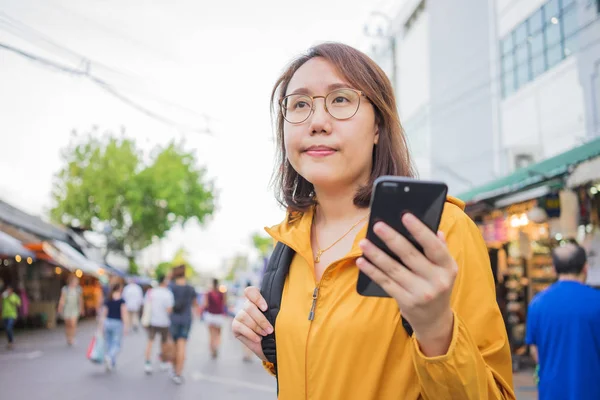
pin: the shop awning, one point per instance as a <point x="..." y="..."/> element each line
<point x="72" y="259"/>
<point x="584" y="173"/>
<point x="11" y="247"/>
<point x="534" y="174"/>
<point x="61" y="254"/>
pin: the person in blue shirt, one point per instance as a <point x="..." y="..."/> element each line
<point x="563" y="330"/>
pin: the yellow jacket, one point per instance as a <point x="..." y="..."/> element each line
<point x="356" y="347"/>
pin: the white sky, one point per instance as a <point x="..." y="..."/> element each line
<point x="198" y="54"/>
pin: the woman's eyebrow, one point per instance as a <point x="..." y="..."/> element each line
<point x="333" y="86"/>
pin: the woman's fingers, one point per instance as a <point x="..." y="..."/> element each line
<point x="252" y="317"/>
<point x="388" y="266"/>
<point x="250" y="324"/>
<point x="386" y="282"/>
<point x="253" y="294"/>
<point x="241" y="330"/>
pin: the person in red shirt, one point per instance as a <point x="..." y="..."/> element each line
<point x="214" y="315"/>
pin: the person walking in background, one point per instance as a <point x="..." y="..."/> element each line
<point x="134" y="297"/>
<point x="214" y="316"/>
<point x="161" y="301"/>
<point x="563" y="330"/>
<point x="181" y="318"/>
<point x="116" y="322"/>
<point x="10" y="304"/>
<point x="71" y="307"/>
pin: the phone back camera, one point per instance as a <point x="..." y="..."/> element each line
<point x="389" y="187"/>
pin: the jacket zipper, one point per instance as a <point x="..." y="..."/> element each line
<point x="311" y="315"/>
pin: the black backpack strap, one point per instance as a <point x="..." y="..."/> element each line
<point x="407" y="327"/>
<point x="272" y="289"/>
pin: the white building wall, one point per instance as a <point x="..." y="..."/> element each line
<point x="414" y="92"/>
<point x="548" y="112"/>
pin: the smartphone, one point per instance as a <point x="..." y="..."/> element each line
<point x="392" y="197"/>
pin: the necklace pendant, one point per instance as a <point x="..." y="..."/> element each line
<point x="318" y="257"/>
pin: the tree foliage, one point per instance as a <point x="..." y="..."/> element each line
<point x="180" y="258"/>
<point x="109" y="185"/>
<point x="262" y="243"/>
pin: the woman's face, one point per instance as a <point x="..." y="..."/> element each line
<point x="329" y="153"/>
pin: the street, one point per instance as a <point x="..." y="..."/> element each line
<point x="43" y="367"/>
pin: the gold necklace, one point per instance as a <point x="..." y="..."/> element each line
<point x="321" y="251"/>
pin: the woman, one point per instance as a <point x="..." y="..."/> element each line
<point x="71" y="307"/>
<point x="10" y="305"/>
<point x="337" y="131"/>
<point x="115" y="320"/>
<point x="214" y="314"/>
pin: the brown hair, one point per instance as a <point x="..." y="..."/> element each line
<point x="179" y="271"/>
<point x="115" y="288"/>
<point x="390" y="155"/>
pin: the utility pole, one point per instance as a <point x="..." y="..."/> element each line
<point x="390" y="37"/>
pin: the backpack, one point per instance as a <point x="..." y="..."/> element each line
<point x="183" y="300"/>
<point x="272" y="289"/>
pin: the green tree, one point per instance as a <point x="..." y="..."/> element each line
<point x="262" y="243"/>
<point x="133" y="269"/>
<point x="108" y="185"/>
<point x="180" y="258"/>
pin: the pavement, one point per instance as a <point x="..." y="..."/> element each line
<point x="43" y="367"/>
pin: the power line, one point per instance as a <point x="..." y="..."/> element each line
<point x="103" y="85"/>
<point x="40" y="40"/>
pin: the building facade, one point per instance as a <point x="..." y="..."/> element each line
<point x="487" y="87"/>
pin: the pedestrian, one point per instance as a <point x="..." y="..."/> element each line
<point x="10" y="304"/>
<point x="116" y="324"/>
<point x="337" y="131"/>
<point x="181" y="318"/>
<point x="161" y="301"/>
<point x="71" y="307"/>
<point x="214" y="316"/>
<point x="563" y="330"/>
<point x="134" y="297"/>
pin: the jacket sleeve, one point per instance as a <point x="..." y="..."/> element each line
<point x="478" y="363"/>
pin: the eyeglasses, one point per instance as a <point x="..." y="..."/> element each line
<point x="340" y="104"/>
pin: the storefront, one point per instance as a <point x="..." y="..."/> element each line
<point x="523" y="216"/>
<point x="585" y="182"/>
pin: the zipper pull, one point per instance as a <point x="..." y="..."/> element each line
<point x="311" y="315"/>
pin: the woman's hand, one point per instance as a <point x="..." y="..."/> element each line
<point x="250" y="325"/>
<point x="422" y="286"/>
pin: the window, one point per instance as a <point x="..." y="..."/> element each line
<point x="539" y="43"/>
<point x="508" y="66"/>
<point x="570" y="26"/>
<point x="536" y="44"/>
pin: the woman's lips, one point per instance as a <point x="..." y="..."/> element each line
<point x="319" y="151"/>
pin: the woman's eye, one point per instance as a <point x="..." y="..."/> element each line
<point x="300" y="104"/>
<point x="340" y="99"/>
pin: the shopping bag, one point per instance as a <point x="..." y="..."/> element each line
<point x="95" y="351"/>
<point x="168" y="351"/>
<point x="147" y="311"/>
